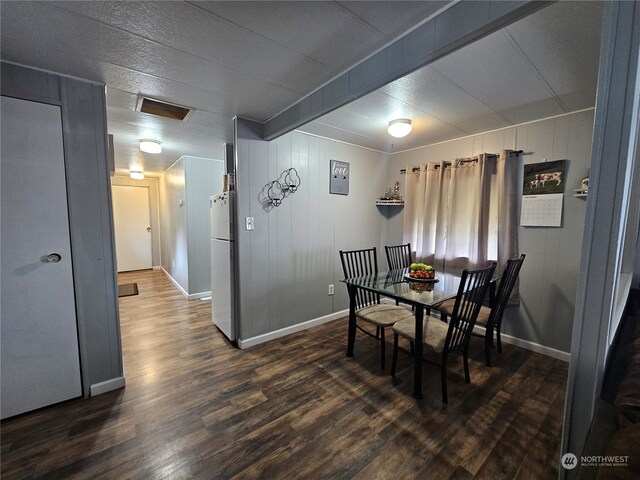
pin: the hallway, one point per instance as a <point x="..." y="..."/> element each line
<point x="195" y="407"/>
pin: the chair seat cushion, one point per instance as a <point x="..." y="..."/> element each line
<point x="434" y="331"/>
<point x="446" y="307"/>
<point x="384" y="315"/>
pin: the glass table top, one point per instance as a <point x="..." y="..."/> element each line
<point x="393" y="284"/>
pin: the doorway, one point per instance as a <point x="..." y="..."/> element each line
<point x="39" y="356"/>
<point x="132" y="227"/>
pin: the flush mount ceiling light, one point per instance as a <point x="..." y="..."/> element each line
<point x="150" y="146"/>
<point x="400" y="127"/>
<point x="136" y="173"/>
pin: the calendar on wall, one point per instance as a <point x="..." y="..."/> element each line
<point x="542" y="210"/>
<point x="542" y="194"/>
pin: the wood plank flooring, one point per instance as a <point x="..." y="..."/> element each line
<point x="297" y="407"/>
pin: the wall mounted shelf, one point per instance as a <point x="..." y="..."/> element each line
<point x="580" y="193"/>
<point x="398" y="203"/>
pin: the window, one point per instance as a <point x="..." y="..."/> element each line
<point x="462" y="214"/>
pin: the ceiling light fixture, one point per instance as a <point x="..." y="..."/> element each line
<point x="150" y="146"/>
<point x="400" y="127"/>
<point x="136" y="172"/>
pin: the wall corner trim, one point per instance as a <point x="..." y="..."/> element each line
<point x="265" y="337"/>
<point x="178" y="286"/>
<point x="107" y="386"/>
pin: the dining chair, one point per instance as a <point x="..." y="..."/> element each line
<point x="398" y="256"/>
<point x="491" y="317"/>
<point x="445" y="338"/>
<point x="357" y="263"/>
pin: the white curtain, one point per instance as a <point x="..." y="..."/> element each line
<point x="426" y="198"/>
<point x="507" y="193"/>
<point x="463" y="214"/>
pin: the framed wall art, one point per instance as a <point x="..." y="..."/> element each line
<point x="338" y="177"/>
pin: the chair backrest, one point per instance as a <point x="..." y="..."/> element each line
<point x="358" y="263"/>
<point x="471" y="292"/>
<point x="398" y="256"/>
<point x="509" y="277"/>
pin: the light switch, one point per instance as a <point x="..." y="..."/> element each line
<point x="249" y="223"/>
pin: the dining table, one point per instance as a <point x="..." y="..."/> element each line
<point x="396" y="285"/>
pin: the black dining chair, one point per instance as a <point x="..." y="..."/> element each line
<point x="398" y="256"/>
<point x="491" y="317"/>
<point x="357" y="263"/>
<point x="445" y="339"/>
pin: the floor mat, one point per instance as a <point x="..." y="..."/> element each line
<point x="127" y="289"/>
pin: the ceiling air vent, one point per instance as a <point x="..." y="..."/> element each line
<point x="162" y="109"/>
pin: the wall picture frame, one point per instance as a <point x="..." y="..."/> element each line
<point x="339" y="177"/>
<point x="544" y="178"/>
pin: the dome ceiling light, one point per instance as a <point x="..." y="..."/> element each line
<point x="150" y="146"/>
<point x="400" y="127"/>
<point x="135" y="172"/>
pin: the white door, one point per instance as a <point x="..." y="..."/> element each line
<point x="132" y="227"/>
<point x="39" y="346"/>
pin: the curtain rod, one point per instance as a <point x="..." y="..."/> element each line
<point x="514" y="153"/>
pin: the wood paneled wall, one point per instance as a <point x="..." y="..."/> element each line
<point x="185" y="249"/>
<point x="287" y="263"/>
<point x="548" y="278"/>
<point x="173" y="224"/>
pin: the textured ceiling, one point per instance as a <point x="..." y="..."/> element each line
<point x="541" y="66"/>
<point x="256" y="58"/>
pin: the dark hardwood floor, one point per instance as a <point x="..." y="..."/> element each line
<point x="297" y="407"/>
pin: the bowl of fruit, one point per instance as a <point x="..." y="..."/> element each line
<point x="420" y="272"/>
<point x="421" y="286"/>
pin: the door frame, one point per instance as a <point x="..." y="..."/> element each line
<point x="152" y="184"/>
<point x="149" y="224"/>
<point x="52" y="335"/>
<point x="84" y="133"/>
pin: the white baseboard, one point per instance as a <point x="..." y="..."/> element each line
<point x="106" y="386"/>
<point x="250" y="342"/>
<point x="518" y="342"/>
<point x="178" y="286"/>
<point x="195" y="296"/>
<point x="157" y="267"/>
<point x="188" y="296"/>
<point x="534" y="347"/>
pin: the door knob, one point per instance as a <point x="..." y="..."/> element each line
<point x="52" y="258"/>
<point x="148" y="229"/>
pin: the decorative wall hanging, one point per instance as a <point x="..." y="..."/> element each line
<point x="291" y="180"/>
<point x="274" y="192"/>
<point x="339" y="177"/>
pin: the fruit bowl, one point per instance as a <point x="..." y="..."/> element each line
<point x="421" y="287"/>
<point x="420" y="271"/>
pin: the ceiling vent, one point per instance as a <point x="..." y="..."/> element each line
<point x="162" y="109"/>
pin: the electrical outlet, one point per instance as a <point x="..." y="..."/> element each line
<point x="331" y="289"/>
<point x="173" y="264"/>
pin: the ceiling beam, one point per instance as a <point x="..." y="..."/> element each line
<point x="461" y="24"/>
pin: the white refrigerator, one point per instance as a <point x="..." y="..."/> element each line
<point x="222" y="263"/>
